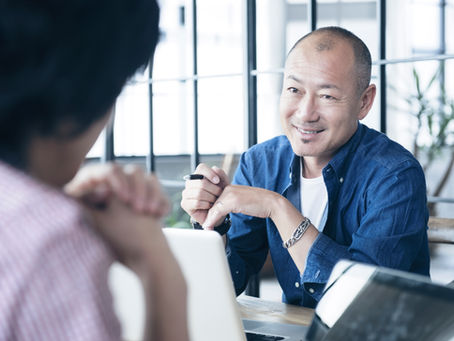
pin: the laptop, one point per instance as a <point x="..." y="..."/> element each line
<point x="365" y="302"/>
<point x="213" y="311"/>
<point x="360" y="301"/>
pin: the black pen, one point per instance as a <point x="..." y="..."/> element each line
<point x="193" y="177"/>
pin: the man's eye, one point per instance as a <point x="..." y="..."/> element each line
<point x="328" y="97"/>
<point x="292" y="90"/>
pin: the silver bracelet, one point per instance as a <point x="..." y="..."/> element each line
<point x="298" y="233"/>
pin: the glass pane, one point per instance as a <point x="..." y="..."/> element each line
<point x="170" y="170"/>
<point x="449" y="70"/>
<point x="219" y="37"/>
<point x="403" y="104"/>
<point x="417" y="32"/>
<point x="272" y="21"/>
<point x="173" y="107"/>
<point x="422" y="121"/>
<point x="221" y="115"/>
<point x="269" y="86"/>
<point x="449" y="22"/>
<point x="173" y="56"/>
<point x="131" y="126"/>
<point x="427" y="36"/>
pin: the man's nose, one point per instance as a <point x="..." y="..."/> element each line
<point x="308" y="109"/>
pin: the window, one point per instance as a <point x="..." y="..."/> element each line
<point x="208" y="84"/>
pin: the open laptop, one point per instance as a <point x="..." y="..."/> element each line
<point x="365" y="302"/>
<point x="360" y="302"/>
<point x="212" y="307"/>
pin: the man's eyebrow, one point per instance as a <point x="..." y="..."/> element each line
<point x="320" y="86"/>
<point x="328" y="86"/>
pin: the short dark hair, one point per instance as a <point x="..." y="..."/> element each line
<point x="67" y="61"/>
<point x="363" y="60"/>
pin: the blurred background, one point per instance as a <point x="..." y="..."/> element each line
<point x="217" y="72"/>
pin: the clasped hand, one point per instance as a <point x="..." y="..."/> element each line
<point x="125" y="206"/>
<point x="98" y="183"/>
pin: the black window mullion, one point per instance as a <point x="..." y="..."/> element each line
<point x="195" y="156"/>
<point x="381" y="11"/>
<point x="253" y="287"/>
<point x="442" y="77"/>
<point x="108" y="152"/>
<point x="312" y="15"/>
<point x="251" y="65"/>
<point x="151" y="166"/>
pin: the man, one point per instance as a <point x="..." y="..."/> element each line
<point x="62" y="66"/>
<point x="330" y="189"/>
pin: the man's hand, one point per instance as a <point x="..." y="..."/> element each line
<point x="96" y="184"/>
<point x="262" y="203"/>
<point x="209" y="200"/>
<point x="200" y="195"/>
<point x="252" y="201"/>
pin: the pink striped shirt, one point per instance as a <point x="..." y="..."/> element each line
<point x="53" y="267"/>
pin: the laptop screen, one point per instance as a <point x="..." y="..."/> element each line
<point x="386" y="305"/>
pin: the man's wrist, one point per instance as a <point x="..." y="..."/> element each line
<point x="279" y="206"/>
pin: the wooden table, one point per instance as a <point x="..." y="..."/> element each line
<point x="253" y="308"/>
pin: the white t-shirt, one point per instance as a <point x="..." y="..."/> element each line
<point x="314" y="200"/>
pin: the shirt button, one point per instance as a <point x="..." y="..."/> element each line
<point x="341" y="180"/>
<point x="311" y="290"/>
<point x="317" y="273"/>
<point x="237" y="272"/>
<point x="297" y="285"/>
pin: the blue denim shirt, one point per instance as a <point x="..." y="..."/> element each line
<point x="377" y="213"/>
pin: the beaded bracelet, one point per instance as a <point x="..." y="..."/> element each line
<point x="298" y="233"/>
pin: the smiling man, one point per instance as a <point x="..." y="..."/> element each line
<point x="331" y="188"/>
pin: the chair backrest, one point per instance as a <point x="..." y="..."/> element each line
<point x="441" y="230"/>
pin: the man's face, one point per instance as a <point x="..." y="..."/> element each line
<point x="319" y="104"/>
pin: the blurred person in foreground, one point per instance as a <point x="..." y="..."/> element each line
<point x="62" y="66"/>
<point x="331" y="188"/>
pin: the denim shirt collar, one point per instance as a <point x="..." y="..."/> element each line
<point x="341" y="160"/>
<point x="291" y="190"/>
<point x="339" y="163"/>
<point x="294" y="168"/>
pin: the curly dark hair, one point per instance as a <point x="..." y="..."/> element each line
<point x="66" y="61"/>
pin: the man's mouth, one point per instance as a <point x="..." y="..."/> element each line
<point x="309" y="131"/>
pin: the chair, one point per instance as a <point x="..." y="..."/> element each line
<point x="441" y="243"/>
<point x="441" y="230"/>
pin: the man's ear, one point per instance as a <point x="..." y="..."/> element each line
<point x="366" y="101"/>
